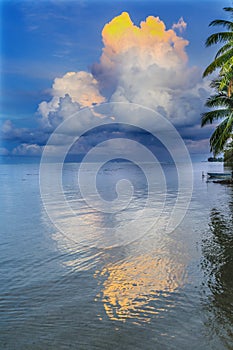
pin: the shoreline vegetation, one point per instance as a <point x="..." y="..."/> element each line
<point x="224" y="182"/>
<point x="214" y="159"/>
<point x="221" y="101"/>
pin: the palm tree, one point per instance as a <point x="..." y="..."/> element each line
<point x="228" y="154"/>
<point x="224" y="57"/>
<point x="222" y="99"/>
<point x="223" y="109"/>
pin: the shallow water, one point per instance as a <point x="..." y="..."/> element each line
<point x="160" y="291"/>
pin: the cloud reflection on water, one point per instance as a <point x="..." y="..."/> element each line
<point x="134" y="281"/>
<point x="131" y="288"/>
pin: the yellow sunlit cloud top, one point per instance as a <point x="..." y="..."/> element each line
<point x="121" y="34"/>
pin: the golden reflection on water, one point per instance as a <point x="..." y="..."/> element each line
<point x="134" y="288"/>
<point x="130" y="288"/>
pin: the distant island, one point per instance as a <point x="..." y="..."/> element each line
<point x="213" y="159"/>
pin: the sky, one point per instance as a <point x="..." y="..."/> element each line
<point x="58" y="57"/>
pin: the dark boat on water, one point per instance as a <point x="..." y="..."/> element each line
<point x="220" y="175"/>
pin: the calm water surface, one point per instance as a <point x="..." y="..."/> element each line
<point x="163" y="291"/>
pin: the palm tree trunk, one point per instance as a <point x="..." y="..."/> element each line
<point x="230" y="88"/>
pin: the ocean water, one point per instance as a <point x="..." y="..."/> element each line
<point x="82" y="289"/>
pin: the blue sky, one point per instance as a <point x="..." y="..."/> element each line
<point x="43" y="40"/>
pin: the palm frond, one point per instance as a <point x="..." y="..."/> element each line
<point x="221" y="22"/>
<point x="225" y="81"/>
<point x="224" y="48"/>
<point x="214" y="84"/>
<point x="219" y="38"/>
<point x="228" y="9"/>
<point x="209" y="117"/>
<point x="227" y="67"/>
<point x="219" y="62"/>
<point x="217" y="85"/>
<point x="217" y="141"/>
<point x="220" y="136"/>
<point x="219" y="100"/>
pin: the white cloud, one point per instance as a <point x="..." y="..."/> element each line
<point x="149" y="64"/>
<point x="82" y="87"/>
<point x="27" y="150"/>
<point x="180" y="25"/>
<point x="145" y="64"/>
<point x="3" y="151"/>
<point x="7" y="127"/>
<point x="82" y="91"/>
<point x="200" y="146"/>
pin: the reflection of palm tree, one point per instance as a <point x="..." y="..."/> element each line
<point x="218" y="266"/>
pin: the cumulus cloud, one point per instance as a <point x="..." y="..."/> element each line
<point x="128" y="48"/>
<point x="145" y="64"/>
<point x="27" y="150"/>
<point x="196" y="147"/>
<point x="81" y="88"/>
<point x="180" y="25"/>
<point x="10" y="132"/>
<point x="149" y="65"/>
<point x="154" y="44"/>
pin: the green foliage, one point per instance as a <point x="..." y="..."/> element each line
<point x="221" y="102"/>
<point x="228" y="153"/>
